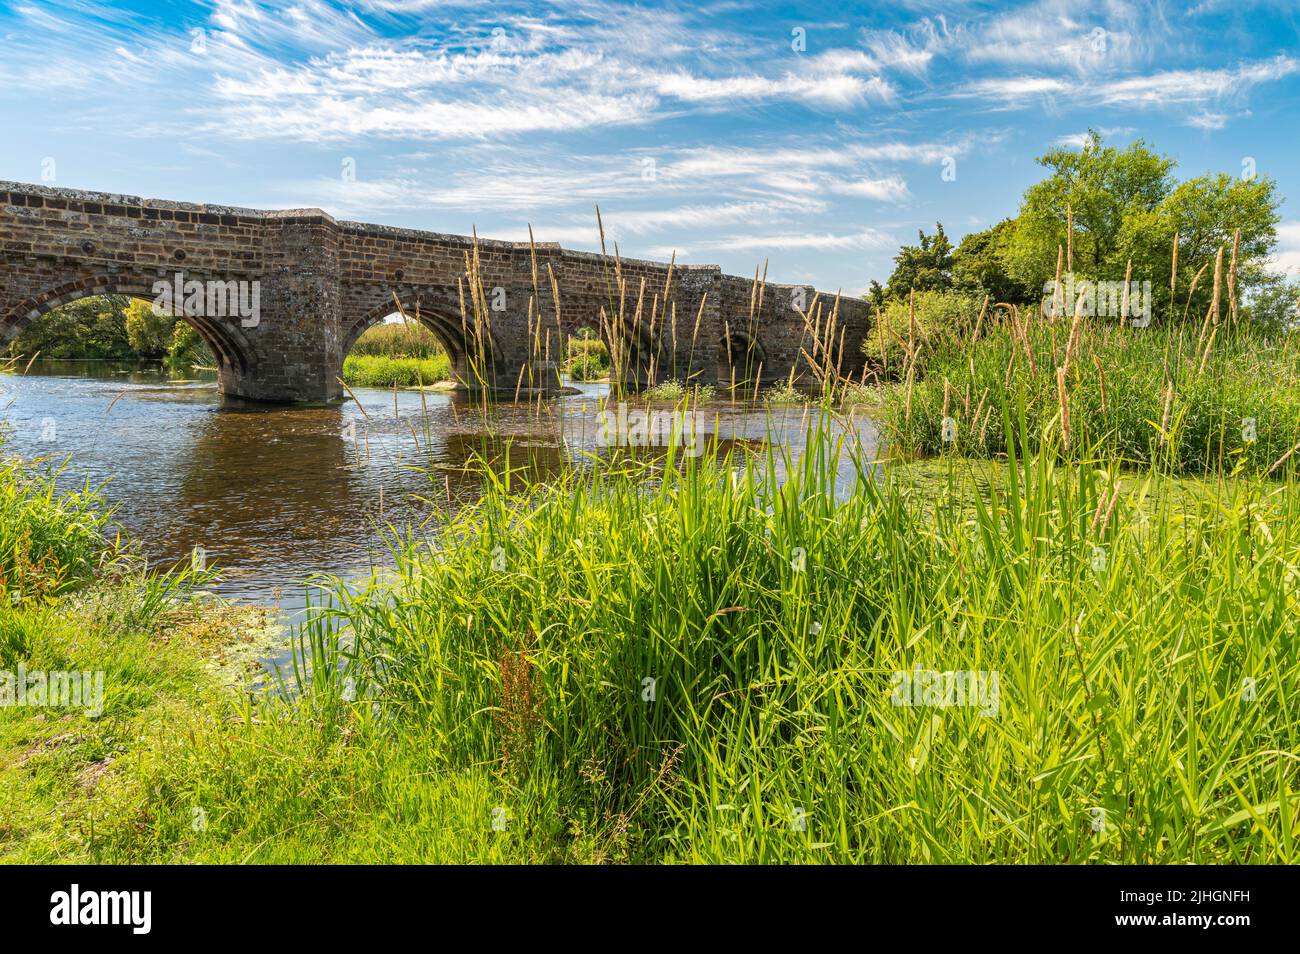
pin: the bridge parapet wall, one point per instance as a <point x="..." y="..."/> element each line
<point x="322" y="281"/>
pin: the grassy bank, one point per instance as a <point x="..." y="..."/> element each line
<point x="405" y="355"/>
<point x="1100" y="389"/>
<point x="706" y="668"/>
<point x="379" y="371"/>
<point x="73" y="601"/>
<point x="772" y="622"/>
<point x="398" y="340"/>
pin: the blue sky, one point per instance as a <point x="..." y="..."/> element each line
<point x="816" y="137"/>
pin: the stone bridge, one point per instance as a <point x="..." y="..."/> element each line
<point x="501" y="309"/>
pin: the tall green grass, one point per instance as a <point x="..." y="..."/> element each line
<point x="1133" y="395"/>
<point x="702" y="669"/>
<point x="50" y="540"/>
<point x="408" y="339"/>
<point x="378" y="371"/>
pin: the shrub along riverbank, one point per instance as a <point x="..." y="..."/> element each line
<point x="719" y="665"/>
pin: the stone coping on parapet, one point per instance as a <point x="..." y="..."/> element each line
<point x="113" y="198"/>
<point x="119" y="199"/>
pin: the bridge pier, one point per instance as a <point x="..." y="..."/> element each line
<point x="297" y="336"/>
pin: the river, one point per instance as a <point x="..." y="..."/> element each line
<point x="275" y="495"/>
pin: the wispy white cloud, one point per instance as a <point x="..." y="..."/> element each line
<point x="699" y="191"/>
<point x="1016" y="90"/>
<point x="1204" y="97"/>
<point x="1073" y="140"/>
<point x="1287" y="256"/>
<point x="1208" y="120"/>
<point x="1078" y="140"/>
<point x="792" y="162"/>
<point x="1197" y="87"/>
<point x="314" y="71"/>
<point x="831" y="88"/>
<point x="626" y="225"/>
<point x="533" y="75"/>
<point x="887" y="189"/>
<point x="912" y="50"/>
<point x="696" y="216"/>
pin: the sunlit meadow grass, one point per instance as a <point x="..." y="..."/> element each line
<point x="408" y="339"/>
<point x="380" y="371"/>
<point x="1135" y="395"/>
<point x="709" y="663"/>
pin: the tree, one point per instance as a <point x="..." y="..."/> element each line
<point x="148" y="331"/>
<point x="926" y="266"/>
<point x="1126" y="208"/>
<point x="876" y="294"/>
<point x="1099" y="188"/>
<point x="978" y="269"/>
<point x="186" y="347"/>
<point x="1206" y="213"/>
<point x="93" y="327"/>
<point x="1274" y="304"/>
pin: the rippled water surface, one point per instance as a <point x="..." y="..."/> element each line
<point x="277" y="494"/>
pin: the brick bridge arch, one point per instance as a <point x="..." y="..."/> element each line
<point x="321" y="282"/>
<point x="228" y="343"/>
<point x="454" y="338"/>
<point x="741" y="357"/>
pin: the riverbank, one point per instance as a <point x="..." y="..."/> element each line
<point x="386" y="371"/>
<point x="747" y="668"/>
<point x="104" y="669"/>
<point x="1088" y="389"/>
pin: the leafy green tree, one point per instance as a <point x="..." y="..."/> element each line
<point x="148" y="332"/>
<point x="1273" y="304"/>
<point x="1206" y="213"/>
<point x="1100" y="188"/>
<point x="876" y="294"/>
<point x="978" y="268"/>
<point x="926" y="266"/>
<point x="186" y="347"/>
<point x="93" y="327"/>
<point x="1127" y="207"/>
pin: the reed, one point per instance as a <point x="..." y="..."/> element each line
<point x="713" y="659"/>
<point x="1231" y="401"/>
